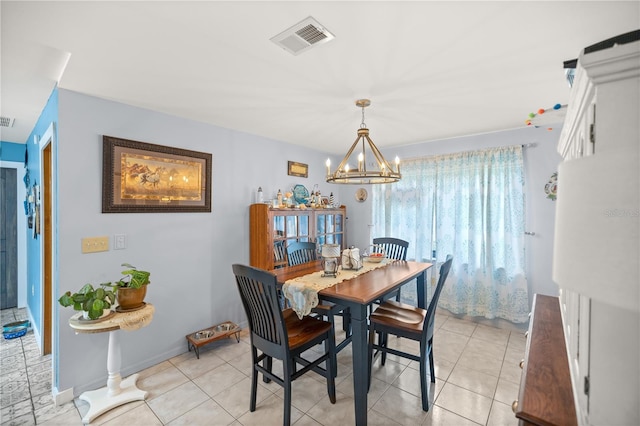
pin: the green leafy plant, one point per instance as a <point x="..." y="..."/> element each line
<point x="133" y="278"/>
<point x="92" y="300"/>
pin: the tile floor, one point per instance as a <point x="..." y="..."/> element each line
<point x="477" y="377"/>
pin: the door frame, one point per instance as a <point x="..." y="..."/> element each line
<point x="48" y="310"/>
<point x="22" y="231"/>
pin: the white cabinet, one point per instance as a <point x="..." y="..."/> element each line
<point x="602" y="329"/>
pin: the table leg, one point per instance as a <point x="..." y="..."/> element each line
<point x="117" y="391"/>
<point x="360" y="369"/>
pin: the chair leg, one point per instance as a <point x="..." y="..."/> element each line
<point x="382" y="341"/>
<point x="334" y="365"/>
<point x="370" y="355"/>
<point x="254" y="381"/>
<point x="424" y="384"/>
<point x="431" y="367"/>
<point x="346" y="322"/>
<point x="398" y="295"/>
<point x="332" y="369"/>
<point x="287" y="400"/>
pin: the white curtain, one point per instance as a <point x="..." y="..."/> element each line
<point x="477" y="199"/>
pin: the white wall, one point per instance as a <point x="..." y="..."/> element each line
<point x="189" y="254"/>
<point x="540" y="160"/>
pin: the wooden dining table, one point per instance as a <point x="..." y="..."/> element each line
<point x="357" y="294"/>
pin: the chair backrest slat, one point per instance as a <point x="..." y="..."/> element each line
<point x="394" y="248"/>
<point x="301" y="252"/>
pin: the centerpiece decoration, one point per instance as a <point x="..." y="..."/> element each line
<point x="330" y="254"/>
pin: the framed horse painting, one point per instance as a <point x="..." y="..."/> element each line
<point x="140" y="177"/>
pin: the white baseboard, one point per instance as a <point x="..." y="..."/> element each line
<point x="60" y="398"/>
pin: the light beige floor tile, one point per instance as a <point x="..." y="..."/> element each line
<point x="307" y="421"/>
<point x="506" y="392"/>
<point x="340" y="413"/>
<point x="235" y="399"/>
<point x="388" y="372"/>
<point x="378" y="387"/>
<point x="511" y="371"/>
<point x="485" y="347"/>
<point x="491" y="334"/>
<point x="154" y="369"/>
<point x="219" y="379"/>
<point x="177" y="402"/>
<point x="243" y="362"/>
<point x="139" y="416"/>
<point x="449" y="345"/>
<point x="501" y="415"/>
<point x="269" y="412"/>
<point x="376" y="418"/>
<point x="403" y="407"/>
<point x="305" y="392"/>
<point x="473" y="380"/>
<point x="465" y="403"/>
<point x="481" y="362"/>
<point x="162" y="382"/>
<point x="517" y="340"/>
<point x="207" y="413"/>
<point x="409" y="381"/>
<point x="228" y="349"/>
<point x="194" y="367"/>
<point x="438" y="416"/>
<point x="459" y="326"/>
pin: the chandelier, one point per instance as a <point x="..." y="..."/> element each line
<point x="360" y="174"/>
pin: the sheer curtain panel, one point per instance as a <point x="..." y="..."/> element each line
<point x="477" y="200"/>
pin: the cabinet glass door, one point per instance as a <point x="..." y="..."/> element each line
<point x="329" y="228"/>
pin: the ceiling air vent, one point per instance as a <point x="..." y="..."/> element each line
<point x="7" y="122"/>
<point x="303" y="36"/>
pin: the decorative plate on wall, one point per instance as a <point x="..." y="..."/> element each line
<point x="361" y="195"/>
<point x="551" y="188"/>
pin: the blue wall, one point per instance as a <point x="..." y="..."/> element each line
<point x="34" y="298"/>
<point x="10" y="151"/>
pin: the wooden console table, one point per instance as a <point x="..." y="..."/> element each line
<point x="546" y="394"/>
<point x="117" y="391"/>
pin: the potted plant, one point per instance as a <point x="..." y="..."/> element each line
<point x="94" y="302"/>
<point x="131" y="288"/>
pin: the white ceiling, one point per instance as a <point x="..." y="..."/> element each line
<point x="432" y="70"/>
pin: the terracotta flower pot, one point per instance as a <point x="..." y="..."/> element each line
<point x="131" y="298"/>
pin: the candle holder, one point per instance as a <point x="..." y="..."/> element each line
<point x="330" y="254"/>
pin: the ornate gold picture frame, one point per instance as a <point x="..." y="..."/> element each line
<point x="140" y="177"/>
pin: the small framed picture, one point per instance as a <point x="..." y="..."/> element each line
<point x="297" y="169"/>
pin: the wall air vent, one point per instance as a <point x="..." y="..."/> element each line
<point x="303" y="36"/>
<point x="7" y="122"/>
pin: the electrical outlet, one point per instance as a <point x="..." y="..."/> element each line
<point x="95" y="244"/>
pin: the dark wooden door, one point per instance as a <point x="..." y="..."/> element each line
<point x="8" y="239"/>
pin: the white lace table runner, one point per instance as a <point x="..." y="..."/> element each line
<point x="302" y="292"/>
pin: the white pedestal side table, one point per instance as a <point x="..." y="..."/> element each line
<point x="117" y="391"/>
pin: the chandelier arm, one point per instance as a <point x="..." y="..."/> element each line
<point x="379" y="157"/>
<point x="345" y="160"/>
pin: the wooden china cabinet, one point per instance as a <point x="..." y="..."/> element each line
<point x="271" y="230"/>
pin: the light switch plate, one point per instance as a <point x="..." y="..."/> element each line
<point x="95" y="244"/>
